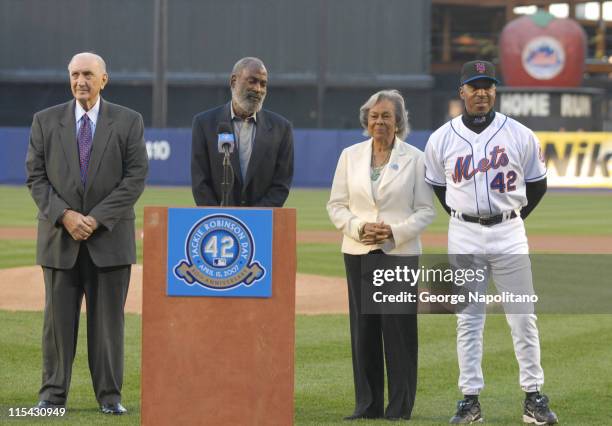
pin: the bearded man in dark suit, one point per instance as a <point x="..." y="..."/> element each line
<point x="86" y="166"/>
<point x="263" y="159"/>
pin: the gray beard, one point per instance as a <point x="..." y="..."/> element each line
<point x="249" y="106"/>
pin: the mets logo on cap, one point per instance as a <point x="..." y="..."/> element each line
<point x="480" y="67"/>
<point x="219" y="254"/>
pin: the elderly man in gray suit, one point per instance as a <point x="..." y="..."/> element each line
<point x="86" y="167"/>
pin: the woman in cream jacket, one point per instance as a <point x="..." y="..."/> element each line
<point x="381" y="203"/>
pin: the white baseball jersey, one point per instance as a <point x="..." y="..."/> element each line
<point x="484" y="173"/>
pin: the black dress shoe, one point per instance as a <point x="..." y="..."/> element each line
<point x="43" y="403"/>
<point x="115" y="408"/>
<point x="396" y="419"/>
<point x="360" y="416"/>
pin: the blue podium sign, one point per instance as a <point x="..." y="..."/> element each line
<point x="219" y="252"/>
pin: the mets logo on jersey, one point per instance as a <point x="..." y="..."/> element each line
<point x="219" y="254"/>
<point x="466" y="169"/>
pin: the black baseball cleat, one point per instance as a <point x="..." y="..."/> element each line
<point x="468" y="412"/>
<point x="113" y="408"/>
<point x="536" y="411"/>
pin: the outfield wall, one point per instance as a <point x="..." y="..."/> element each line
<point x="316" y="154"/>
<point x="574" y="160"/>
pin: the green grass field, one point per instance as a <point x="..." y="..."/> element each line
<point x="561" y="213"/>
<point x="576" y="349"/>
<point x="576" y="357"/>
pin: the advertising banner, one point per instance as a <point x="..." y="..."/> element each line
<point x="577" y="159"/>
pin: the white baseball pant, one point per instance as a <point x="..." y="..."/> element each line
<point x="502" y="250"/>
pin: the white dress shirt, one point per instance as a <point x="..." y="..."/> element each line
<point x="79" y="112"/>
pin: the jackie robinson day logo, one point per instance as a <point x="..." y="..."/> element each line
<point x="219" y="253"/>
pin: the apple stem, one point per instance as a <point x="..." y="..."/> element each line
<point x="542" y="18"/>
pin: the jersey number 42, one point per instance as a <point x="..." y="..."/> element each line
<point x="503" y="183"/>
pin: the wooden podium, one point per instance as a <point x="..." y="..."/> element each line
<point x="217" y="360"/>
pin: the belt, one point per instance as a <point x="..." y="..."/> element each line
<point x="485" y="221"/>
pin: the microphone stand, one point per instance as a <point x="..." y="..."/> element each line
<point x="227" y="183"/>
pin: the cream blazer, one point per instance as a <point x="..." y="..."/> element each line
<point x="405" y="200"/>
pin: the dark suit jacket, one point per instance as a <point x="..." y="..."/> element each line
<point x="270" y="169"/>
<point x="116" y="176"/>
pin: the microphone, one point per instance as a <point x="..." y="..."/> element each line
<point x="225" y="145"/>
<point x="225" y="140"/>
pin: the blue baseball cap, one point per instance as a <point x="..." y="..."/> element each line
<point x="475" y="70"/>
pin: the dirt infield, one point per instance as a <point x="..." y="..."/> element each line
<point x="601" y="244"/>
<point x="22" y="289"/>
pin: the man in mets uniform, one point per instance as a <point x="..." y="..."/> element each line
<point x="488" y="172"/>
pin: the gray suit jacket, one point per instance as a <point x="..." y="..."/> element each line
<point x="116" y="176"/>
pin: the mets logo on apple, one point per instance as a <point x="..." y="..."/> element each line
<point x="543" y="58"/>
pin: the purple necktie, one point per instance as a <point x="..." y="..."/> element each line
<point x="84" y="141"/>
